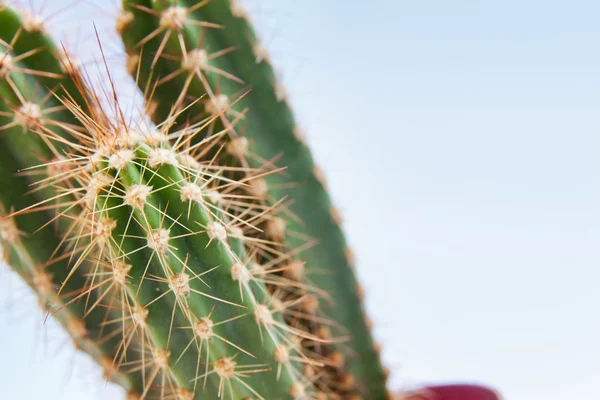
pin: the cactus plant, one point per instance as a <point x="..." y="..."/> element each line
<point x="191" y="249"/>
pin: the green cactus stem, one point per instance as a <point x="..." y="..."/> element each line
<point x="29" y="65"/>
<point x="182" y="51"/>
<point x="182" y="248"/>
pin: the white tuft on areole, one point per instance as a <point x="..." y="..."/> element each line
<point x="32" y="23"/>
<point x="258" y="188"/>
<point x="260" y="53"/>
<point x="29" y="115"/>
<point x="263" y="315"/>
<point x="120" y="269"/>
<point x="191" y="192"/>
<point x="217" y="104"/>
<point x="295" y="270"/>
<point x="237" y="232"/>
<point x="238" y="147"/>
<point x="310" y="304"/>
<point x="188" y="161"/>
<point x="216" y="231"/>
<point x="161" y="358"/>
<point x="42" y="281"/>
<point x="132" y="62"/>
<point x="158" y="240"/>
<point x="6" y="65"/>
<point x="280" y="92"/>
<point x="194" y="60"/>
<point x="276" y="228"/>
<point x="137" y="195"/>
<point x="214" y="196"/>
<point x="76" y="328"/>
<point x="258" y="269"/>
<point x="173" y="18"/>
<point x="158" y="157"/>
<point x="98" y="156"/>
<point x="125" y="137"/>
<point x="299" y="134"/>
<point x="103" y="230"/>
<point x="240" y="273"/>
<point x="204" y="328"/>
<point x="298" y="392"/>
<point x="225" y="367"/>
<point x="237" y="9"/>
<point x="139" y="315"/>
<point x="180" y="284"/>
<point x="155" y="138"/>
<point x="282" y="354"/>
<point x="123" y="20"/>
<point x="120" y="158"/>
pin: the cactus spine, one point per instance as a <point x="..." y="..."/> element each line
<point x="188" y="258"/>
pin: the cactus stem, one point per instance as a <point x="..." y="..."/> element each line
<point x="171" y="21"/>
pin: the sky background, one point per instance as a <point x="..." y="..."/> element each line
<point x="460" y="140"/>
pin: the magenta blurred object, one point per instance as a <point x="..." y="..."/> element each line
<point x="453" y="392"/>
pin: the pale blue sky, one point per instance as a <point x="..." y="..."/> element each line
<point x="460" y="140"/>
